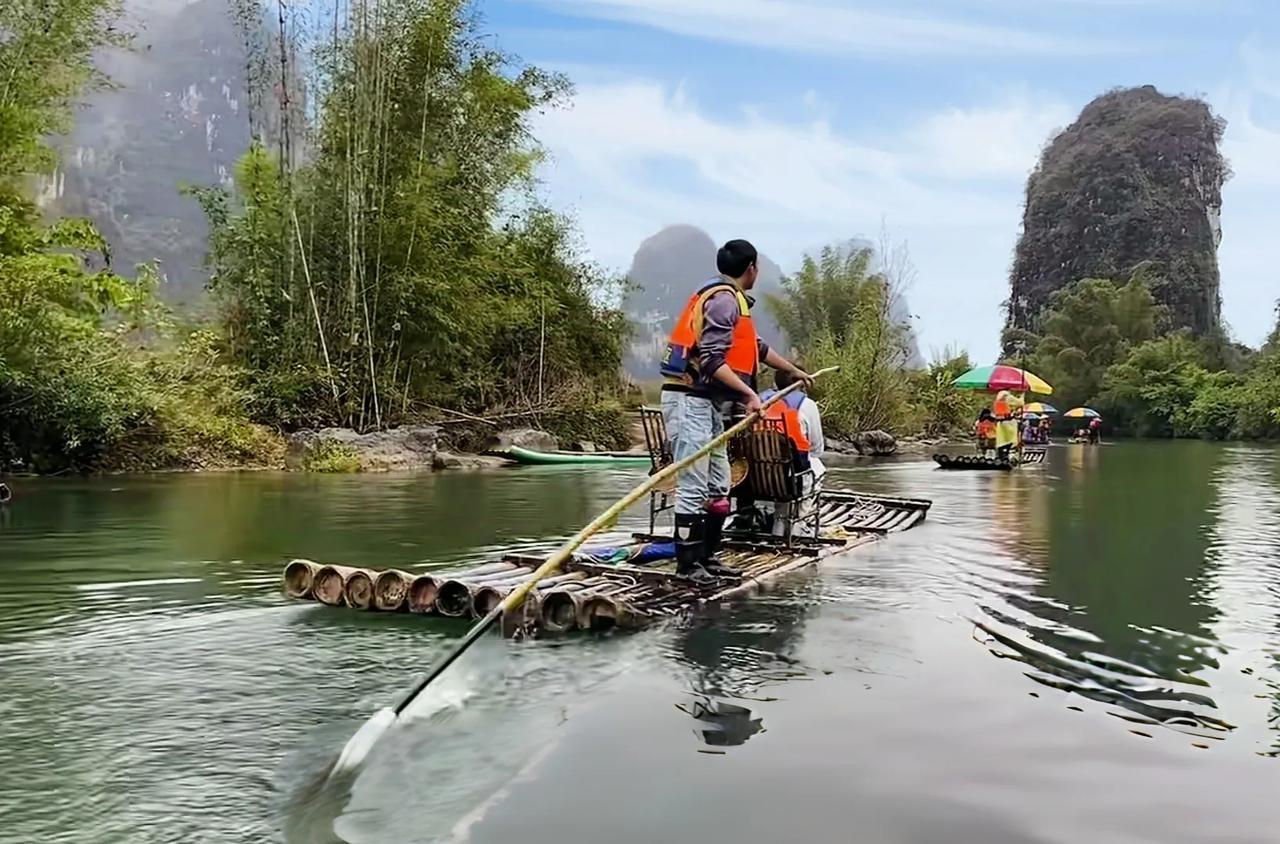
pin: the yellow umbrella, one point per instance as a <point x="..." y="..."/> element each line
<point x="1082" y="413"/>
<point x="1040" y="407"/>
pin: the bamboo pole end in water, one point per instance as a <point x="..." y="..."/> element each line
<point x="422" y="593"/>
<point x="391" y="589"/>
<point x="299" y="576"/>
<point x="329" y="585"/>
<point x="358" y="589"/>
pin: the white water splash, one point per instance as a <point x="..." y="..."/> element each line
<point x="359" y="745"/>
<point x="451" y="690"/>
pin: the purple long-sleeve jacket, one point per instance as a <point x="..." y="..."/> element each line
<point x="719" y="317"/>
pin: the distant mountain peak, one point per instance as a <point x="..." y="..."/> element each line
<point x="667" y="267"/>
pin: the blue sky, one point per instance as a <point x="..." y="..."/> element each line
<point x="795" y="123"/>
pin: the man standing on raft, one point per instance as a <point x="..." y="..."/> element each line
<point x="709" y="365"/>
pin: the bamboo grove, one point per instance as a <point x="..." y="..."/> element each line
<point x="386" y="247"/>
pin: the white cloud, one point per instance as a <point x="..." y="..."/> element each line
<point x="833" y="26"/>
<point x="632" y="157"/>
<point x="1249" y="252"/>
<point x="993" y="141"/>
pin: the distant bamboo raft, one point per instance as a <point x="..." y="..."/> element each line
<point x="1029" y="457"/>
<point x="590" y="595"/>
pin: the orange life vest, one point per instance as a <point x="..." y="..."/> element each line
<point x="680" y="362"/>
<point x="787" y="412"/>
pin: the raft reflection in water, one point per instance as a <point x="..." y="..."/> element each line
<point x="1100" y="592"/>
<point x="732" y="657"/>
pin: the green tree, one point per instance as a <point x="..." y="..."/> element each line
<point x="407" y="261"/>
<point x="1088" y="327"/>
<point x="62" y="391"/>
<point x="836" y="312"/>
<point x="1151" y="392"/>
<point x="939" y="408"/>
<point x="78" y="388"/>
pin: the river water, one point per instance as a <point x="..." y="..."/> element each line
<point x="1085" y="651"/>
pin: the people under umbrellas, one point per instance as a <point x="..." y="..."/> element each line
<point x="1095" y="430"/>
<point x="1006" y="409"/>
<point x="984" y="431"/>
<point x="710" y="364"/>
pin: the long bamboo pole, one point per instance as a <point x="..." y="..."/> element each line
<point x="359" y="745"/>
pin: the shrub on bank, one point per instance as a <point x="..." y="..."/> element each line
<point x="603" y="423"/>
<point x="331" y="458"/>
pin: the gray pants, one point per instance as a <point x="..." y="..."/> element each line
<point x="692" y="422"/>
<point x="798" y="513"/>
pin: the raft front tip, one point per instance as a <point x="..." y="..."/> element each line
<point x="299" y="576"/>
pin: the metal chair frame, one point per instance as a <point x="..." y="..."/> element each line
<point x="660" y="455"/>
<point x="775" y="470"/>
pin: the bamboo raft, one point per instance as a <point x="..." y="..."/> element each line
<point x="590" y="595"/>
<point x="1030" y="457"/>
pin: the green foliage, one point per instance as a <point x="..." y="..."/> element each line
<point x="78" y="391"/>
<point x="1102" y="347"/>
<point x="823" y="297"/>
<point x="603" y="423"/>
<point x="331" y="457"/>
<point x="1088" y="327"/>
<point x="939" y="409"/>
<point x="406" y="262"/>
<point x="838" y="313"/>
<point x="1150" y="392"/>
<point x="46" y="63"/>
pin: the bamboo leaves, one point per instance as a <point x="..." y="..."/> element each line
<point x="417" y="145"/>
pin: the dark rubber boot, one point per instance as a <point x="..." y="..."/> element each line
<point x="690" y="537"/>
<point x="747" y="519"/>
<point x="712" y="531"/>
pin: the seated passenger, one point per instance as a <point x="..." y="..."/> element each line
<point x="802" y="421"/>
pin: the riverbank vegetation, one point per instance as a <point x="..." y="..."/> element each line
<point x="380" y="254"/>
<point x="839" y="310"/>
<point x="93" y="372"/>
<point x="1113" y="348"/>
<point x="404" y="259"/>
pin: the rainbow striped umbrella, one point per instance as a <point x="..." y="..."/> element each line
<point x="1082" y="413"/>
<point x="1041" y="407"/>
<point x="993" y="379"/>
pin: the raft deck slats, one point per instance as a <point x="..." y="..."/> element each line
<point x="590" y="594"/>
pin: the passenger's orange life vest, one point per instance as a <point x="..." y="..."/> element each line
<point x="788" y="412"/>
<point x="680" y="362"/>
<point x="1000" y="409"/>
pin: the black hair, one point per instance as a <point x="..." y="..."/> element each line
<point x="783" y="379"/>
<point x="735" y="258"/>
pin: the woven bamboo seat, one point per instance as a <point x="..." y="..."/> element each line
<point x="773" y="472"/>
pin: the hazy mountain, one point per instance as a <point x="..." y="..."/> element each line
<point x="667" y="268"/>
<point x="176" y="116"/>
<point x="665" y="271"/>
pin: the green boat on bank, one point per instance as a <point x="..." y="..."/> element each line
<point x="549" y="458"/>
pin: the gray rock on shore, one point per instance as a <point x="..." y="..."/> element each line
<point x="524" y="438"/>
<point x="398" y="449"/>
<point x="875" y="444"/>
